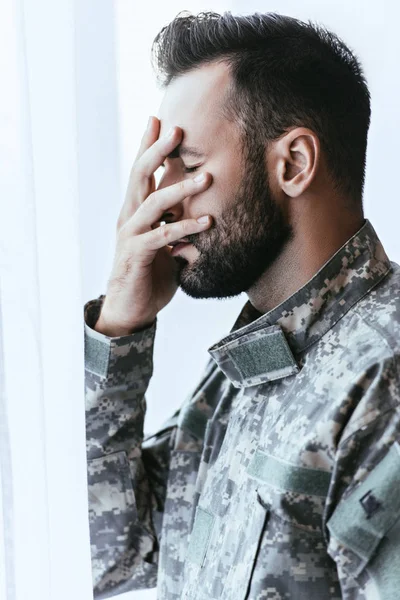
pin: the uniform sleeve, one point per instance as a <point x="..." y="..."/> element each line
<point x="126" y="480"/>
<point x="364" y="525"/>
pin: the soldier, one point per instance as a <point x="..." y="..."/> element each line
<point x="278" y="478"/>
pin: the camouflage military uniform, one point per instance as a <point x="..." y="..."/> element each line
<point x="279" y="477"/>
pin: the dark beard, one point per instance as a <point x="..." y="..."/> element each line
<point x="247" y="239"/>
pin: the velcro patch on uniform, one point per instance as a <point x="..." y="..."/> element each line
<point x="97" y="354"/>
<point x="264" y="354"/>
<point x="200" y="536"/>
<point x="285" y="476"/>
<point x="361" y="520"/>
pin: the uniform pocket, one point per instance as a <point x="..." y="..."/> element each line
<point x="250" y="535"/>
<point x="112" y="509"/>
<point x="110" y="487"/>
<point x="291" y="560"/>
<point x="295" y="494"/>
<point x="222" y="552"/>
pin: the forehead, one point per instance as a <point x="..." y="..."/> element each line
<point x="193" y="101"/>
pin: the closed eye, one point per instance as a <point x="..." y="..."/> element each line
<point x="186" y="169"/>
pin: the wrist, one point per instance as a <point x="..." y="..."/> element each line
<point x="110" y="330"/>
<point x="115" y="330"/>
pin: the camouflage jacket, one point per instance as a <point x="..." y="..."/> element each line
<point x="279" y="476"/>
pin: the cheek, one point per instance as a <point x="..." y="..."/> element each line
<point x="224" y="186"/>
<point x="230" y="172"/>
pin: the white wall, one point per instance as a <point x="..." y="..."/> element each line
<point x="188" y="327"/>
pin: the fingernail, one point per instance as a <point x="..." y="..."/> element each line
<point x="199" y="178"/>
<point x="170" y="133"/>
<point x="149" y="122"/>
<point x="202" y="219"/>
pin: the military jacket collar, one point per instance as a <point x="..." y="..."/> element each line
<point x="264" y="347"/>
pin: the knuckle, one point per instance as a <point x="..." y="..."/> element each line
<point x="121" y="232"/>
<point x="120" y="223"/>
<point x="152" y="199"/>
<point x="163" y="232"/>
<point x="138" y="172"/>
<point x="187" y="226"/>
<point x="135" y="168"/>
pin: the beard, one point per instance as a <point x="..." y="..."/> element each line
<point x="249" y="236"/>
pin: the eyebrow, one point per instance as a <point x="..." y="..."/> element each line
<point x="185" y="151"/>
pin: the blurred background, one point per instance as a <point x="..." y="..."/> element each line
<point x="76" y="92"/>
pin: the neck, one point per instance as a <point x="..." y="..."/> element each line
<point x="315" y="240"/>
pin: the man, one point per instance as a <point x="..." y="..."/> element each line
<point x="279" y="477"/>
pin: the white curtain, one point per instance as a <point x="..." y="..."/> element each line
<point x="60" y="193"/>
<point x="44" y="531"/>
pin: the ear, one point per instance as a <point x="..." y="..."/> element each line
<point x="297" y="156"/>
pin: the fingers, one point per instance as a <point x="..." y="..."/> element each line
<point x="172" y="232"/>
<point x="152" y="154"/>
<point x="149" y="137"/>
<point x="137" y="191"/>
<point x="153" y="150"/>
<point x="153" y="157"/>
<point x="153" y="208"/>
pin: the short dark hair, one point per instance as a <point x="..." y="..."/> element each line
<point x="285" y="73"/>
